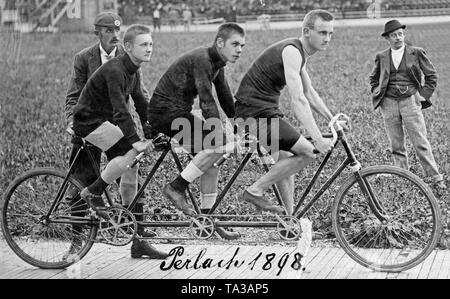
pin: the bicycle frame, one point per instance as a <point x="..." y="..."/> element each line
<point x="384" y="246"/>
<point x="353" y="162"/>
<point x="64" y="185"/>
<point x="350" y="160"/>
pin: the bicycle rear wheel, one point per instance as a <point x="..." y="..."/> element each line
<point x="413" y="223"/>
<point x="47" y="241"/>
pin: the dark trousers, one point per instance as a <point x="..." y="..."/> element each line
<point x="84" y="171"/>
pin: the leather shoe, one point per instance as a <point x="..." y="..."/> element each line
<point x="261" y="203"/>
<point x="140" y="248"/>
<point x="141" y="232"/>
<point x="227" y="234"/>
<point x="178" y="199"/>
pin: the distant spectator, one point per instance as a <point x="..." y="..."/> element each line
<point x="187" y="18"/>
<point x="264" y="21"/>
<point x="203" y="8"/>
<point x="173" y="19"/>
<point x="157" y="17"/>
<point x="232" y="14"/>
<point x="140" y="10"/>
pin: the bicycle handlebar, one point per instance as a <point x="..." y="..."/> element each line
<point x="136" y="160"/>
<point x="159" y="140"/>
<point x="331" y="124"/>
<point x="334" y="121"/>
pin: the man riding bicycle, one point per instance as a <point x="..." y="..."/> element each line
<point x="170" y="108"/>
<point x="283" y="64"/>
<point x="102" y="117"/>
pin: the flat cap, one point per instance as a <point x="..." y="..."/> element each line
<point x="108" y="19"/>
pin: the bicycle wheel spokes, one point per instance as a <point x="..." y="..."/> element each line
<point x="45" y="240"/>
<point x="408" y="234"/>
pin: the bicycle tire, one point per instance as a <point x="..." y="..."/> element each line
<point x="408" y="236"/>
<point x="59" y="244"/>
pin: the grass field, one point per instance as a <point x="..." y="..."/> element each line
<point x="36" y="69"/>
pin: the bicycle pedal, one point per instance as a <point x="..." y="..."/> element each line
<point x="258" y="209"/>
<point x="94" y="214"/>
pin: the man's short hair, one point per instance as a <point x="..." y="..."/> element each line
<point x="313" y="15"/>
<point x="226" y="30"/>
<point x="135" y="30"/>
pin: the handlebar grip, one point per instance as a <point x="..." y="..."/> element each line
<point x="221" y="160"/>
<point x="136" y="160"/>
<point x="324" y="135"/>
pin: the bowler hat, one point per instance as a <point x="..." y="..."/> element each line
<point x="107" y="19"/>
<point x="392" y="25"/>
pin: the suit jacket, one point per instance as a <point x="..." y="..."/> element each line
<point x="420" y="70"/>
<point x="86" y="62"/>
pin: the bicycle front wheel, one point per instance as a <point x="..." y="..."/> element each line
<point x="43" y="239"/>
<point x="408" y="233"/>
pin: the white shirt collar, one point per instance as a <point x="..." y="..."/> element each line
<point x="104" y="56"/>
<point x="397" y="56"/>
<point x="399" y="51"/>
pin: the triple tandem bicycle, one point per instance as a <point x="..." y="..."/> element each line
<point x="385" y="218"/>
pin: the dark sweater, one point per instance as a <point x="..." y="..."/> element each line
<point x="190" y="75"/>
<point x="105" y="98"/>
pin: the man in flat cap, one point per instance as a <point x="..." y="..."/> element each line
<point x="86" y="62"/>
<point x="396" y="86"/>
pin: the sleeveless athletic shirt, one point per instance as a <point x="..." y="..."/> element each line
<point x="263" y="82"/>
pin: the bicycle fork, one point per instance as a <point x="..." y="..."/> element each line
<point x="366" y="188"/>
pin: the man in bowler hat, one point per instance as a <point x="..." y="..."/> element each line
<point x="86" y="62"/>
<point x="396" y="86"/>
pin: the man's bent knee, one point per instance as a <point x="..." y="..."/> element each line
<point x="304" y="149"/>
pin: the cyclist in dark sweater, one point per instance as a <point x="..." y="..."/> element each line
<point x="101" y="116"/>
<point x="283" y="64"/>
<point x="105" y="98"/>
<point x="170" y="107"/>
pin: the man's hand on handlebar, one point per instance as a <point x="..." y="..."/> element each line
<point x="344" y="124"/>
<point x="323" y="145"/>
<point x="144" y="146"/>
<point x="336" y="123"/>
